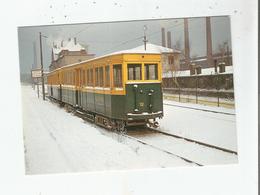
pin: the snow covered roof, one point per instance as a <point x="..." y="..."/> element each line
<point x="204" y="71"/>
<point x="150" y="49"/>
<point x="71" y="46"/>
<point x="66" y="45"/>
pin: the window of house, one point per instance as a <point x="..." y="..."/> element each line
<point x="134" y="71"/>
<point x="151" y="71"/>
<point x="107" y="76"/>
<point x="170" y="59"/>
<point x="117" y="75"/>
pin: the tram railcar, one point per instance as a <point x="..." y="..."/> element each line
<point x="114" y="91"/>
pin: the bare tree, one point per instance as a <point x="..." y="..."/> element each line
<point x="222" y="49"/>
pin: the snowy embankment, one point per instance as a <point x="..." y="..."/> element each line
<point x="56" y="141"/>
<point x="213" y="125"/>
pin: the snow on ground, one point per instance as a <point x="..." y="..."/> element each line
<point x="223" y="110"/>
<point x="56" y="141"/>
<point x="186" y="120"/>
<point x="190" y="150"/>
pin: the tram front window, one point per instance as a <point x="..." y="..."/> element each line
<point x="134" y="71"/>
<point x="151" y="71"/>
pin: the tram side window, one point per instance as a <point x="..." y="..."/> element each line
<point x="90" y="77"/>
<point x="117" y="75"/>
<point x="107" y="76"/>
<point x="134" y="71"/>
<point x="96" y="77"/>
<point x="151" y="71"/>
<point x="83" y="77"/>
<point x="72" y="78"/>
<point x="101" y="76"/>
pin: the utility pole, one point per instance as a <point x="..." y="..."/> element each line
<point x="42" y="74"/>
<point x="145" y="40"/>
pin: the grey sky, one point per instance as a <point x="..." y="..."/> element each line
<point x="102" y="38"/>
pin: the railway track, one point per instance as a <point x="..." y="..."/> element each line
<point x="125" y="134"/>
<point x="161" y="149"/>
<point x="138" y="135"/>
<point x="194" y="141"/>
<point x="189" y="150"/>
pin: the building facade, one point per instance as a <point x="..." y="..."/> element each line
<point x="68" y="52"/>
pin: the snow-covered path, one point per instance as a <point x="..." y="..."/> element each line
<point x="56" y="141"/>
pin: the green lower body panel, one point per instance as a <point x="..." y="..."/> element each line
<point x="111" y="106"/>
<point x="69" y="96"/>
<point x="141" y="102"/>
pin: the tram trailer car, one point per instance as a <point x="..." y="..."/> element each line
<point x="114" y="91"/>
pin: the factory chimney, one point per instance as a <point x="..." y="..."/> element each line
<point x="163" y="37"/>
<point x="186" y="42"/>
<point x="169" y="40"/>
<point x="209" y="42"/>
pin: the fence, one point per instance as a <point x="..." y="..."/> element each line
<point x="214" y="90"/>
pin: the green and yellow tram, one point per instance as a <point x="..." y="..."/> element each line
<point x="116" y="90"/>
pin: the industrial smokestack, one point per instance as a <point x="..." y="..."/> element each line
<point x="169" y="40"/>
<point x="163" y="37"/>
<point x="186" y="41"/>
<point x="209" y="42"/>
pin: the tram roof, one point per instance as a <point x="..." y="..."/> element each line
<point x="150" y="49"/>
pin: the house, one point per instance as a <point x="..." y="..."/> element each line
<point x="68" y="52"/>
